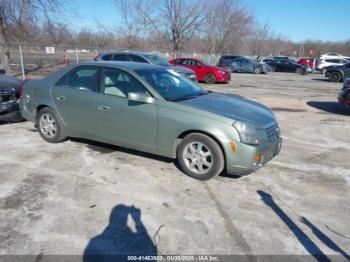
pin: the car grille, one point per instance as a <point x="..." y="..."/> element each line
<point x="272" y="132"/>
<point x="6" y="98"/>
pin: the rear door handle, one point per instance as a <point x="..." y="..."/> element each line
<point x="103" y="108"/>
<point x="61" y="98"/>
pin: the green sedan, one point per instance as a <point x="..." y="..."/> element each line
<point x="156" y="110"/>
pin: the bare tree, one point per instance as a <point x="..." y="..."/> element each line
<point x="15" y="15"/>
<point x="182" y="19"/>
<point x="229" y="23"/>
<point x="135" y="17"/>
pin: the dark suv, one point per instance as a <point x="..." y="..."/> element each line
<point x="226" y="59"/>
<point x="145" y="57"/>
<point x="338" y="73"/>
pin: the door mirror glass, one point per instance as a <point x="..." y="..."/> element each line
<point x="141" y="97"/>
<point x="2" y="71"/>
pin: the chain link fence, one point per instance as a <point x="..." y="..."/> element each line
<point x="39" y="60"/>
<point x="32" y="59"/>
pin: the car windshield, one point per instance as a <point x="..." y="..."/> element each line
<point x="171" y="85"/>
<point x="157" y="60"/>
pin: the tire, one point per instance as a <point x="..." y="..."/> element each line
<point x="204" y="152"/>
<point x="210" y="78"/>
<point x="335" y="77"/>
<point x="257" y="70"/>
<point x="298" y="71"/>
<point x="49" y="126"/>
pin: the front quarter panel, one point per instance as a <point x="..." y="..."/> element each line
<point x="176" y="119"/>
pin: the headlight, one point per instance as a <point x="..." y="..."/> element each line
<point x="247" y="132"/>
<point x="222" y="72"/>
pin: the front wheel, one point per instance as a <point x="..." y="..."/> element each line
<point x="200" y="157"/>
<point x="210" y="78"/>
<point x="49" y="126"/>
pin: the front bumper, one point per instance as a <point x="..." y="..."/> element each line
<point x="223" y="78"/>
<point x="10" y="112"/>
<point x="244" y="162"/>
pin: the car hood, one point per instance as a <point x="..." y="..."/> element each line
<point x="233" y="107"/>
<point x="9" y="84"/>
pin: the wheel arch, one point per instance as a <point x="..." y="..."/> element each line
<point x="191" y="131"/>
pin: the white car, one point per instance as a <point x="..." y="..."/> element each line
<point x="324" y="63"/>
<point x="333" y="56"/>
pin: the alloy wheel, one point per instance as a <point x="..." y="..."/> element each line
<point x="48" y="125"/>
<point x="198" y="158"/>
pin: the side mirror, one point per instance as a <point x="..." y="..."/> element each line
<point x="2" y="71"/>
<point x="141" y="97"/>
<point x="199" y="66"/>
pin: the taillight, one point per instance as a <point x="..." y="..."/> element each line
<point x="21" y="88"/>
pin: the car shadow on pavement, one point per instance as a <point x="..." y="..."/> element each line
<point x="308" y="244"/>
<point x="325" y="239"/>
<point x="329" y="107"/>
<point x="108" y="148"/>
<point x="119" y="239"/>
<point x="321" y="79"/>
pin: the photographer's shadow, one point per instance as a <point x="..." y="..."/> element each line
<point x="118" y="240"/>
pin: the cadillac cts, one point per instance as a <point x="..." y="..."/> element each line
<point x="156" y="110"/>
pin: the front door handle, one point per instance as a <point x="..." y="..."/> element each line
<point x="103" y="108"/>
<point x="61" y="98"/>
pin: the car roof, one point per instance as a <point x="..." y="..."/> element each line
<point x="121" y="64"/>
<point x="128" y="52"/>
<point x="186" y="57"/>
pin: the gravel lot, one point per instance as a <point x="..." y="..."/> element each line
<point x="72" y="197"/>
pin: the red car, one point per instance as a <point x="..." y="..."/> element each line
<point x="308" y="62"/>
<point x="207" y="73"/>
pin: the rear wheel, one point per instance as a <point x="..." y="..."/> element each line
<point x="200" y="156"/>
<point x="335" y="77"/>
<point x="257" y="70"/>
<point x="49" y="126"/>
<point x="210" y="78"/>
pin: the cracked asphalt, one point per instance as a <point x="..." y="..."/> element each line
<point x="79" y="196"/>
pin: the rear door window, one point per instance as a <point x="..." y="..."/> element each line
<point x="107" y="57"/>
<point x="137" y="58"/>
<point x="83" y="78"/>
<point x="121" y="57"/>
<point x="181" y="62"/>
